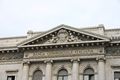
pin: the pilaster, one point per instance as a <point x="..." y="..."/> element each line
<point x="25" y="71"/>
<point x="48" y="73"/>
<point x="101" y="68"/>
<point x="75" y="69"/>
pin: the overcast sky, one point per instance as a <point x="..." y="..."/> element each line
<point x="19" y="16"/>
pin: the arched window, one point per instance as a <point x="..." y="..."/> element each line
<point x="38" y="75"/>
<point x="88" y="74"/>
<point x="63" y="74"/>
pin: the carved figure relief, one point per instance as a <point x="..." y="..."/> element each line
<point x="63" y="36"/>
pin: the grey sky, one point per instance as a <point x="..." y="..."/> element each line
<point x="19" y="16"/>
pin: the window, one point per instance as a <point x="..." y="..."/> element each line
<point x="62" y="75"/>
<point x="38" y="75"/>
<point x="11" y="74"/>
<point x="116" y="75"/>
<point x="88" y="74"/>
<point x="10" y="77"/>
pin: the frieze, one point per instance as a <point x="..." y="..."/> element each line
<point x="11" y="56"/>
<point x="113" y="51"/>
<point x="63" y="53"/>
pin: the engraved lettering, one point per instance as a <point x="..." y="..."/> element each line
<point x="68" y="52"/>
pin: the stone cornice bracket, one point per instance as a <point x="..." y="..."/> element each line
<point x="101" y="58"/>
<point x="48" y="61"/>
<point x="75" y="59"/>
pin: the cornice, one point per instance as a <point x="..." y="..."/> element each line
<point x="117" y="29"/>
<point x="104" y="42"/>
<point x="7" y="49"/>
<point x="17" y="37"/>
<point x="67" y="43"/>
<point x="11" y="61"/>
<point x="61" y="45"/>
<point x="54" y="46"/>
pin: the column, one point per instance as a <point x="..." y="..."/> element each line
<point x="30" y="77"/>
<point x="48" y="74"/>
<point x="75" y="70"/>
<point x="101" y="69"/>
<point x="25" y="71"/>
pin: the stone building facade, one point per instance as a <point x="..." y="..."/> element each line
<point x="62" y="53"/>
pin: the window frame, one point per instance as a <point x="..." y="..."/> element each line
<point x="114" y="74"/>
<point x="88" y="75"/>
<point x="12" y="73"/>
<point x="62" y="76"/>
<point x="115" y="68"/>
<point x="42" y="76"/>
<point x="11" y="77"/>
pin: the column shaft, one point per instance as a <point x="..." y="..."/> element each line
<point x="25" y="71"/>
<point x="101" y="70"/>
<point x="48" y="74"/>
<point x="75" y="70"/>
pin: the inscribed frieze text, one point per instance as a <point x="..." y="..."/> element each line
<point x="60" y="53"/>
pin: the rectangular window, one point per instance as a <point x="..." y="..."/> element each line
<point x="10" y="77"/>
<point x="11" y="74"/>
<point x="116" y="75"/>
<point x="86" y="77"/>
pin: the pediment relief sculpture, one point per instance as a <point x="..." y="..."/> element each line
<point x="63" y="36"/>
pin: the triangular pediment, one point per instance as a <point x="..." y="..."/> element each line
<point x="63" y="34"/>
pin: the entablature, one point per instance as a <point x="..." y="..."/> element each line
<point x="78" y="58"/>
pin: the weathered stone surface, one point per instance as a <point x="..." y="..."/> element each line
<point x="11" y="56"/>
<point x="64" y="52"/>
<point x="104" y="61"/>
<point x="113" y="50"/>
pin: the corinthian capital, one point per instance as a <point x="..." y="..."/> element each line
<point x="48" y="61"/>
<point x="101" y="58"/>
<point x="75" y="59"/>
